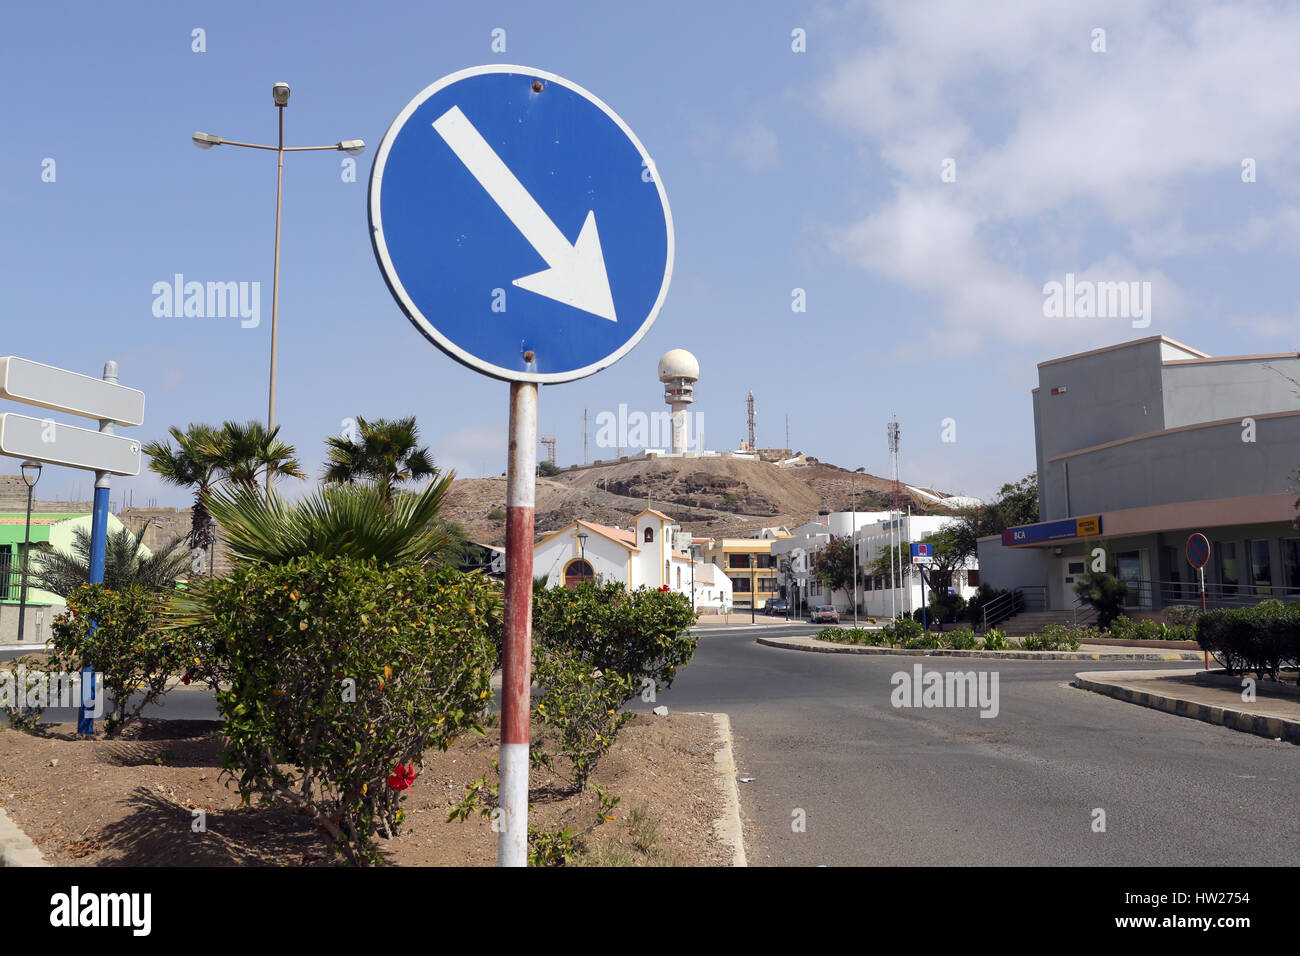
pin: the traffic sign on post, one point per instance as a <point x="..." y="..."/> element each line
<point x="1198" y="550"/>
<point x="57" y="444"/>
<point x="520" y="224"/>
<point x="922" y="553"/>
<point x="32" y="383"/>
<point x="522" y="228"/>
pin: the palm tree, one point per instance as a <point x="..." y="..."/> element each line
<point x="335" y="521"/>
<point x="245" y="451"/>
<point x="388" y="453"/>
<point x="190" y="465"/>
<point x="125" y="563"/>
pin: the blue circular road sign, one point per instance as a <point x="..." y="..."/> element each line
<point x="1198" y="550"/>
<point x="520" y="224"/>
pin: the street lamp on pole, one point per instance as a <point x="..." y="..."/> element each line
<point x="31" y="474"/>
<point x="353" y="147"/>
<point x="692" y="549"/>
<point x="582" y="556"/>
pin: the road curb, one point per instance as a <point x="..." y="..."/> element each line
<point x="16" y="847"/>
<point x="826" y="647"/>
<point x="1274" y="728"/>
<point x="728" y="827"/>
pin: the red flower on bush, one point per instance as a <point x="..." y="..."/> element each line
<point x="665" y="588"/>
<point x="402" y="777"/>
<point x="185" y="678"/>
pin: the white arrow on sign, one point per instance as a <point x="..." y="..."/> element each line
<point x="576" y="275"/>
<point x="58" y="444"/>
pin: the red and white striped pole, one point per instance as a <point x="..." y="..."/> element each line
<point x="517" y="652"/>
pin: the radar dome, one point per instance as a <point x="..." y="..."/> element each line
<point x="678" y="363"/>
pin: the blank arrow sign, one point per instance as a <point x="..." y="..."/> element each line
<point x="36" y="384"/>
<point x="576" y="274"/>
<point x="59" y="444"/>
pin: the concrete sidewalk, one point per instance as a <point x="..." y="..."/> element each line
<point x="1274" y="713"/>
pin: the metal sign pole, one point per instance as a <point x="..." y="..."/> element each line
<point x="98" y="544"/>
<point x="516" y="666"/>
<point x="1201" y="572"/>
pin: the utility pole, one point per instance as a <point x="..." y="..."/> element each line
<point x="585" y="434"/>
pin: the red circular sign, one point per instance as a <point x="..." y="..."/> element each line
<point x="1198" y="550"/>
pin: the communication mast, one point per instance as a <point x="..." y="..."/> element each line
<point x="895" y="571"/>
<point x="749" y="406"/>
<point x="585" y="433"/>
<point x="549" y="442"/>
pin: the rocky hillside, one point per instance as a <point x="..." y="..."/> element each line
<point x="714" y="496"/>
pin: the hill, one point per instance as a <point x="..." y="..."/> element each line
<point x="713" y="496"/>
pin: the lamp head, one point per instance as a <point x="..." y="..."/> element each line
<point x="31" y="473"/>
<point x="280" y="92"/>
<point x="205" y="140"/>
<point x="353" y="147"/>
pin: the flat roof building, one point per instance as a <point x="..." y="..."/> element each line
<point x="1138" y="446"/>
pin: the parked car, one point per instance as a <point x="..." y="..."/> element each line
<point x="775" y="606"/>
<point x="825" y="614"/>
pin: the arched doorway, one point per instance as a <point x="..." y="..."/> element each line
<point x="577" y="571"/>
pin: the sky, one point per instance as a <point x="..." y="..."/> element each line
<point x="869" y="200"/>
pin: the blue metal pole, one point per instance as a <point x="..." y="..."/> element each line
<point x="925" y="625"/>
<point x="98" y="547"/>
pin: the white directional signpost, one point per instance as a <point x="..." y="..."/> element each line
<point x="922" y="554"/>
<point x="522" y="228"/>
<point x="103" y="452"/>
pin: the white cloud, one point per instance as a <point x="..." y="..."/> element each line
<point x="1065" y="149"/>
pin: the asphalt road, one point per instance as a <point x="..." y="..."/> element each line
<point x="881" y="785"/>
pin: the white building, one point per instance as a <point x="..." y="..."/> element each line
<point x="652" y="553"/>
<point x="877" y="597"/>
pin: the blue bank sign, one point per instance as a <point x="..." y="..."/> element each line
<point x="1053" y="530"/>
<point x="520" y="224"/>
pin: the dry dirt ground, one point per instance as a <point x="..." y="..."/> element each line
<point x="714" y="496"/>
<point x="130" y="801"/>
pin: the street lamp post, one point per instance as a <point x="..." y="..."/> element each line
<point x="31" y="474"/>
<point x="353" y="147"/>
<point x="692" y="577"/>
<point x="582" y="556"/>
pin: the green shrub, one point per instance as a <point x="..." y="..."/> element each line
<point x="582" y="705"/>
<point x="1103" y="592"/>
<point x="850" y="635"/>
<point x="341" y="675"/>
<point x="1144" y="629"/>
<point x="995" y="640"/>
<point x="926" y="640"/>
<point x="1055" y="637"/>
<point x="1262" y="638"/>
<point x="962" y="639"/>
<point x="20" y="709"/>
<point x="1183" y="615"/>
<point x="643" y="634"/>
<point x="496" y="514"/>
<point x="130" y="650"/>
<point x="900" y="632"/>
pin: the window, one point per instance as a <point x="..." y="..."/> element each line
<point x="740" y="585"/>
<point x="973" y="577"/>
<point x="679" y="579"/>
<point x="767" y="584"/>
<point x="1229" y="573"/>
<point x="1128" y="568"/>
<point x="1261" y="569"/>
<point x="737" y="560"/>
<point x="9" y="571"/>
<point x="764" y="561"/>
<point x="649" y="535"/>
<point x="1290" y="563"/>
<point x="576" y="572"/>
